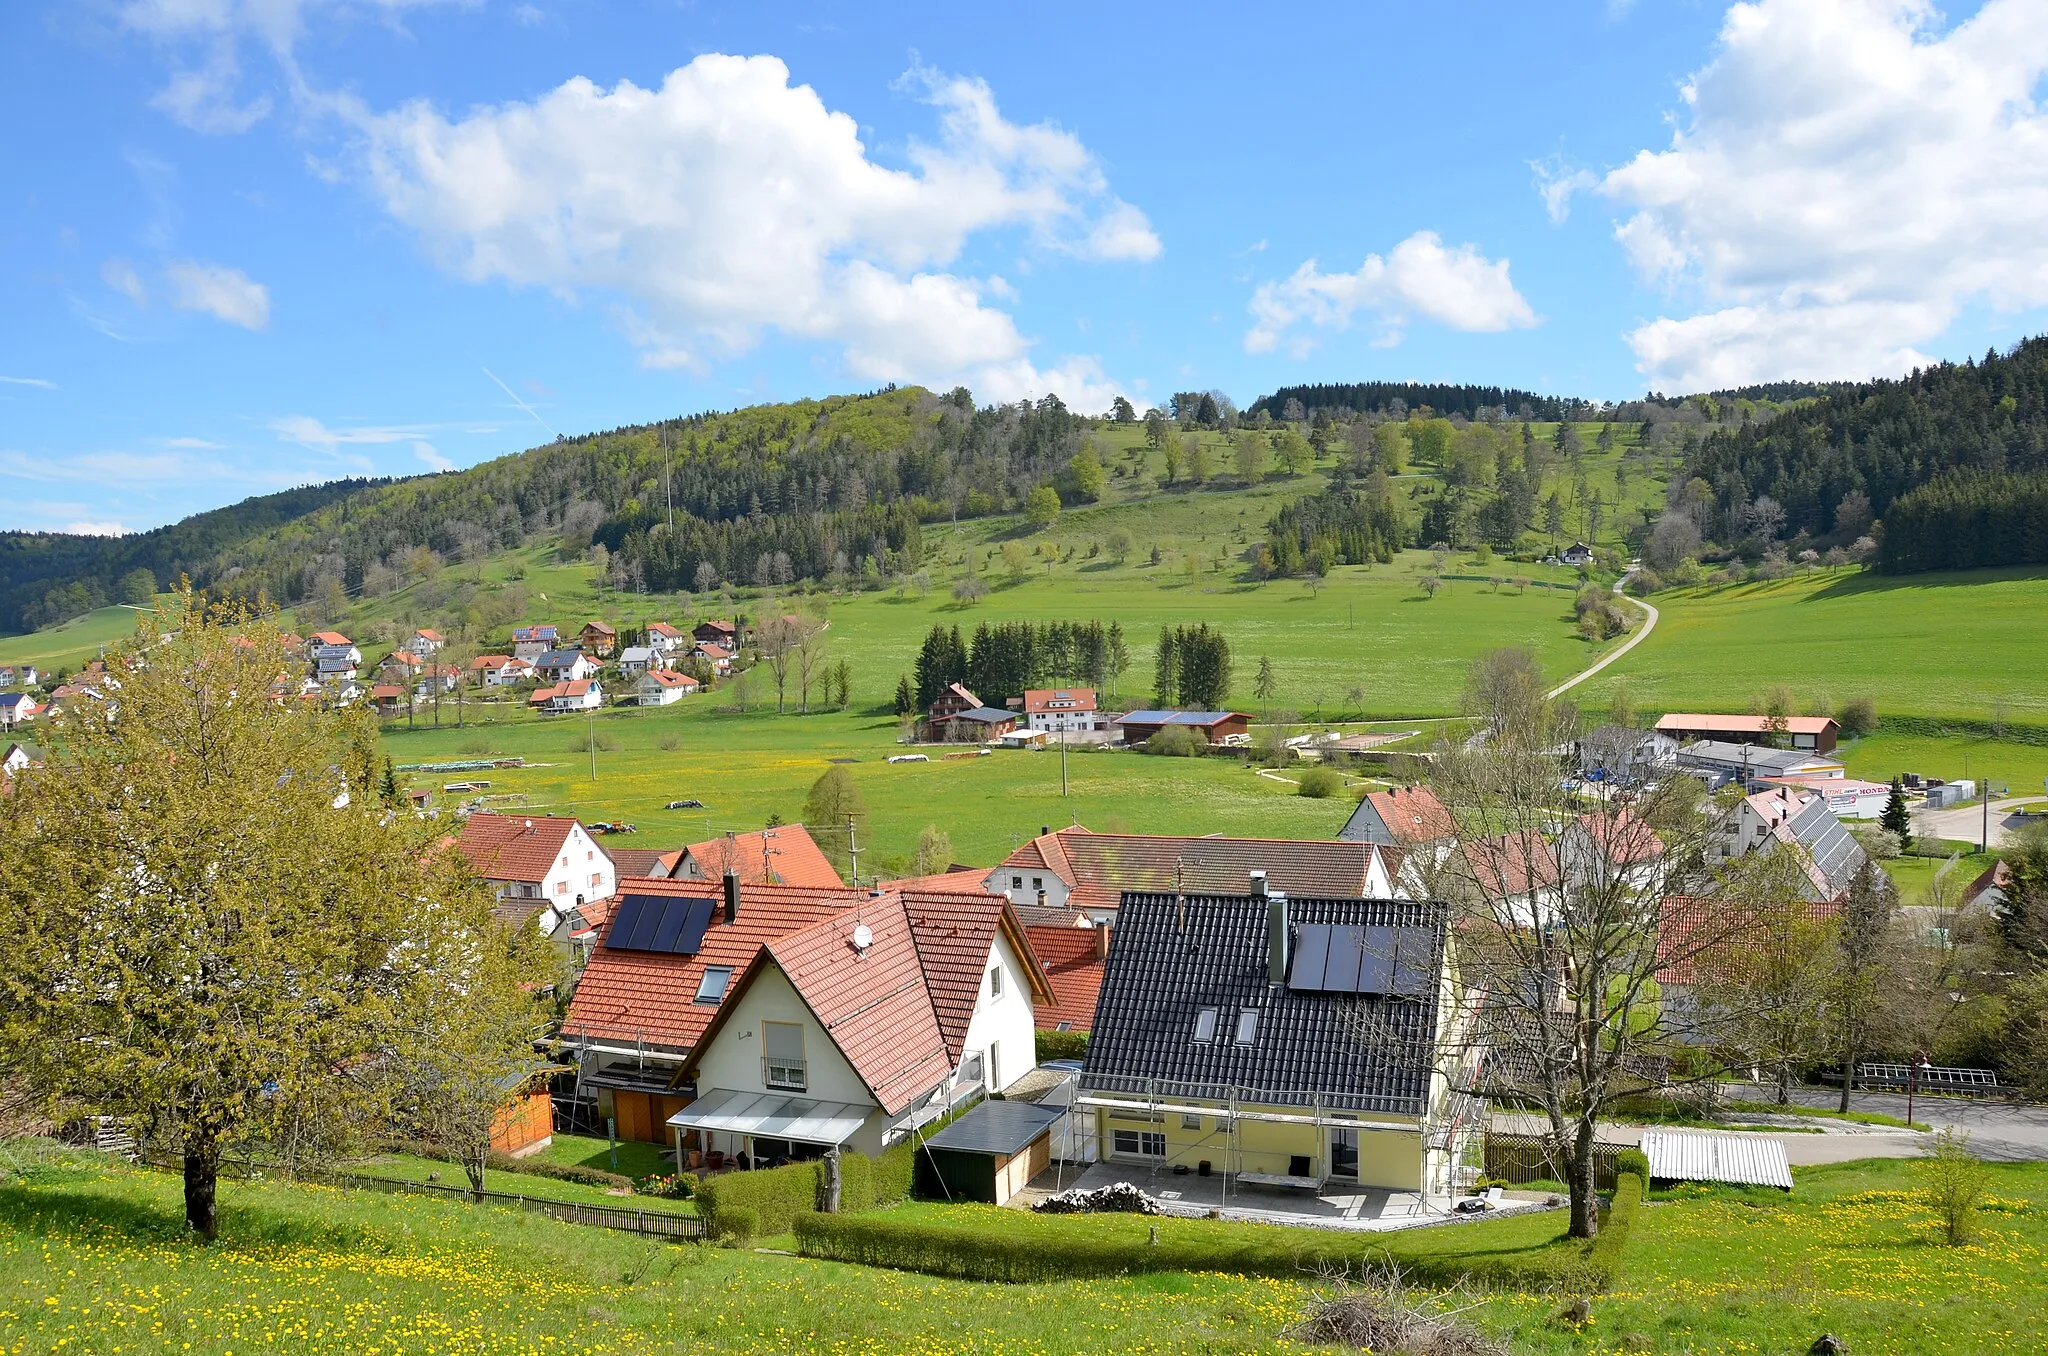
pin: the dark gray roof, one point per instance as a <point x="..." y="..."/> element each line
<point x="996" y="1128"/>
<point x="985" y="715"/>
<point x="1173" y="956"/>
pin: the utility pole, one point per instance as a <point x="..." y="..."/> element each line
<point x="590" y="726"/>
<point x="852" y="853"/>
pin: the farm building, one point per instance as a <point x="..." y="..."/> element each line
<point x="1214" y="726"/>
<point x="979" y="725"/>
<point x="1065" y="711"/>
<point x="1814" y="734"/>
<point x="1749" y="765"/>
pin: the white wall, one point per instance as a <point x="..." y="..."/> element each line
<point x="1005" y="1021"/>
<point x="579" y="860"/>
<point x="1030" y="880"/>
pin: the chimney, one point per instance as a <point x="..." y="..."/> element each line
<point x="732" y="897"/>
<point x="1258" y="885"/>
<point x="1044" y="829"/>
<point x="1041" y="899"/>
<point x="1102" y="931"/>
<point x="1276" y="939"/>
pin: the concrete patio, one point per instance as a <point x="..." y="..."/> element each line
<point x="1336" y="1206"/>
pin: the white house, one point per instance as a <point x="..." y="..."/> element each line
<point x="717" y="656"/>
<point x="582" y="694"/>
<point x="500" y="670"/>
<point x="546" y="860"/>
<point x="531" y="642"/>
<point x="334" y="656"/>
<point x="635" y="660"/>
<point x="17" y="708"/>
<point x="664" y="639"/>
<point x="1065" y="711"/>
<point x="659" y="687"/>
<point x="1597" y="850"/>
<point x="560" y="666"/>
<point x="16" y="758"/>
<point x="857" y="1029"/>
<point x="425" y="643"/>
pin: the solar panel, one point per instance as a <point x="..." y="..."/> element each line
<point x="672" y="925"/>
<point x="1311" y="955"/>
<point x="1363" y="960"/>
<point x="626" y="919"/>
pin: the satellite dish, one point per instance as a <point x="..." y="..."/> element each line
<point x="863" y="938"/>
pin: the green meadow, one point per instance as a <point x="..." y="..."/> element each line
<point x="94" y="1257"/>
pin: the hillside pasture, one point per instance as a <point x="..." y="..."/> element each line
<point x="69" y="644"/>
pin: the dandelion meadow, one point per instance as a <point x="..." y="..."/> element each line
<point x="94" y="1258"/>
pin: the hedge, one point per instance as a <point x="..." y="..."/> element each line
<point x="1062" y="1045"/>
<point x="1029" y="1256"/>
<point x="498" y="1161"/>
<point x="776" y="1196"/>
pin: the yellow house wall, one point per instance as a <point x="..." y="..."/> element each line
<point x="1388" y="1156"/>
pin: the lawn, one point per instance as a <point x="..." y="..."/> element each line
<point x="71" y="643"/>
<point x="1965" y="644"/>
<point x="413" y="1168"/>
<point x="635" y="1160"/>
<point x="93" y="1256"/>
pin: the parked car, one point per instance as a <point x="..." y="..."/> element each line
<point x="685" y="805"/>
<point x="908" y="758"/>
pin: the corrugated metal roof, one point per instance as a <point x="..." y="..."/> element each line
<point x="1716" y="1156"/>
<point x="775" y="1115"/>
<point x="996" y="1128"/>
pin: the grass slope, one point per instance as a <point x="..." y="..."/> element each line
<point x="1957" y="645"/>
<point x="69" y="644"/>
<point x="93" y="1256"/>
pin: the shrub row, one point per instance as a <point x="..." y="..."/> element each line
<point x="1031" y="1255"/>
<point x="1952" y="727"/>
<point x="776" y="1196"/>
<point x="1062" y="1045"/>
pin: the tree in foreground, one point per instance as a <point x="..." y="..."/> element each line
<point x="1560" y="945"/>
<point x="222" y="938"/>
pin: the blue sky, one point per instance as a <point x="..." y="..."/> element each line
<point x="255" y="243"/>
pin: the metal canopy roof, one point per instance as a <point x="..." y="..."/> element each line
<point x="772" y="1115"/>
<point x="1716" y="1156"/>
<point x="996" y="1128"/>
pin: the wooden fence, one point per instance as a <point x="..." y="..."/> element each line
<point x="1524" y="1158"/>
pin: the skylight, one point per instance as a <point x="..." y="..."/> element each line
<point x="1247" y="1025"/>
<point x="711" y="988"/>
<point x="1205" y="1025"/>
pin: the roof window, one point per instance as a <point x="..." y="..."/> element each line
<point x="1247" y="1025"/>
<point x="1205" y="1025"/>
<point x="711" y="987"/>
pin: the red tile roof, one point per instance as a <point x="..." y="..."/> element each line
<point x="670" y="678"/>
<point x="1692" y="928"/>
<point x="1413" y="814"/>
<point x="782" y="856"/>
<point x="955" y="930"/>
<point x="662" y="628"/>
<point x="1074" y="971"/>
<point x="1038" y="700"/>
<point x="1512" y="864"/>
<point x="490" y="661"/>
<point x="1099" y="867"/>
<point x="651" y="996"/>
<point x="1812" y="725"/>
<point x="1625" y="839"/>
<point x="425" y="633"/>
<point x="513" y="847"/>
<point x="332" y="638"/>
<point x="875" y="1003"/>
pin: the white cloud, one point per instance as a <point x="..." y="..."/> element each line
<point x="40" y="383"/>
<point x="97" y="529"/>
<point x="1454" y="286"/>
<point x="196" y="443"/>
<point x="1556" y="182"/>
<point x="431" y="457"/>
<point x="310" y="433"/>
<point x="1850" y="175"/>
<point x="225" y="293"/>
<point x="202" y="97"/>
<point x="728" y="203"/>
<point x="120" y="275"/>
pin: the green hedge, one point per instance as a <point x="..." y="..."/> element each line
<point x="1062" y="1045"/>
<point x="778" y="1195"/>
<point x="1957" y="727"/>
<point x="987" y="1255"/>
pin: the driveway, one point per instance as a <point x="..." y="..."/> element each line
<point x="1642" y="634"/>
<point x="1966" y="822"/>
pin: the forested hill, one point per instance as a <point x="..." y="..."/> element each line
<point x="1885" y="438"/>
<point x="49" y="576"/>
<point x="1380" y="397"/>
<point x="767" y="494"/>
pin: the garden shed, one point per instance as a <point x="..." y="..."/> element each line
<point x="989" y="1154"/>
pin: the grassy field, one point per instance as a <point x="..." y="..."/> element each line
<point x="93" y="1257"/>
<point x="413" y="1168"/>
<point x="72" y="643"/>
<point x="1965" y="644"/>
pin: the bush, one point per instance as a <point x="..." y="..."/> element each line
<point x="1857" y="717"/>
<point x="738" y="1226"/>
<point x="1006" y="1254"/>
<point x="1319" y="783"/>
<point x="1176" y="741"/>
<point x="1955" y="1185"/>
<point x="678" y="1186"/>
<point x="1062" y="1045"/>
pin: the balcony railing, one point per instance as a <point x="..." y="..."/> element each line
<point x="783" y="1074"/>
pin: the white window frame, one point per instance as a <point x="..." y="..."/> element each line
<point x="1247" y="1026"/>
<point x="1138" y="1143"/>
<point x="995" y="981"/>
<point x="1205" y="1025"/>
<point x="724" y="973"/>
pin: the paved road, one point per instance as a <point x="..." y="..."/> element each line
<point x="1966" y="822"/>
<point x="1641" y="635"/>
